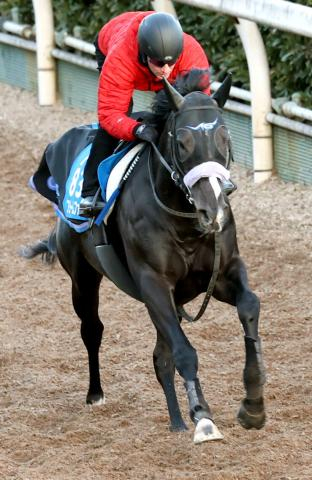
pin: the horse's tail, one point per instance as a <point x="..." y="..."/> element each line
<point x="46" y="248"/>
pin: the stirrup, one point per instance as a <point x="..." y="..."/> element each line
<point x="90" y="206"/>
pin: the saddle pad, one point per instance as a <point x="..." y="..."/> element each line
<point x="59" y="177"/>
<point x="72" y="197"/>
<point x="110" y="181"/>
<point x="119" y="170"/>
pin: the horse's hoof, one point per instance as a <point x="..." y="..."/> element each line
<point x="206" y="430"/>
<point x="95" y="399"/>
<point x="251" y="415"/>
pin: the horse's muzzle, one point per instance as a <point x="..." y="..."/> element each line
<point x="207" y="224"/>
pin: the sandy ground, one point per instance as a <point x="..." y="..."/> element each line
<point x="47" y="432"/>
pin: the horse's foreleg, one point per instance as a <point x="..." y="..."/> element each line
<point x="165" y="370"/>
<point x="233" y="288"/>
<point x="85" y="294"/>
<point x="162" y="311"/>
<point x="251" y="413"/>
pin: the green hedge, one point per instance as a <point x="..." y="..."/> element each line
<point x="290" y="56"/>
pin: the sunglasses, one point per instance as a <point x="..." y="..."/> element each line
<point x="159" y="63"/>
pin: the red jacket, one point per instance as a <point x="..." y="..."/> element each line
<point x="122" y="72"/>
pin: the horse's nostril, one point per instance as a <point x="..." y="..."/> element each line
<point x="204" y="216"/>
<point x="207" y="223"/>
<point x="205" y="220"/>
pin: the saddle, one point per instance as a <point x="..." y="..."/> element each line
<point x="59" y="177"/>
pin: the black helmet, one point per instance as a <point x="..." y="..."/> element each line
<point x="160" y="37"/>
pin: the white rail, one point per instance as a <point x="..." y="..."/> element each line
<point x="18" y="42"/>
<point x="280" y="14"/>
<point x="73" y="58"/>
<point x="25" y="31"/>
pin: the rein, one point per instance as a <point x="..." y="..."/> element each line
<point x="211" y="285"/>
<point x="176" y="177"/>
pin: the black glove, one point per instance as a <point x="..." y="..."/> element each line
<point x="147" y="133"/>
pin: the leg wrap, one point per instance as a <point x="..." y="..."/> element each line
<point x="198" y="406"/>
<point x="254" y="374"/>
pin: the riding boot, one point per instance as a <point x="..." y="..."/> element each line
<point x="103" y="145"/>
<point x="90" y="206"/>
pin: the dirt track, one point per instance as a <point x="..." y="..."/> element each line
<point x="47" y="432"/>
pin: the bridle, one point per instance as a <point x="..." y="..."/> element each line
<point x="176" y="160"/>
<point x="177" y="175"/>
<point x="175" y="171"/>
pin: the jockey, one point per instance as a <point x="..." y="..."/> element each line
<point x="135" y="50"/>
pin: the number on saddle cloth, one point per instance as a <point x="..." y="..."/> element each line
<point x="73" y="189"/>
<point x="72" y="197"/>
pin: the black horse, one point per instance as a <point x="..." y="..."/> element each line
<point x="165" y="227"/>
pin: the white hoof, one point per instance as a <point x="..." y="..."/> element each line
<point x="206" y="430"/>
<point x="101" y="401"/>
<point x="96" y="403"/>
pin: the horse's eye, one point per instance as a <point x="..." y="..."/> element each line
<point x="186" y="143"/>
<point x="222" y="141"/>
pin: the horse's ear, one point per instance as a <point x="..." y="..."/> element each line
<point x="175" y="98"/>
<point x="223" y="92"/>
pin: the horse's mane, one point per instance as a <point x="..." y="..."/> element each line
<point x="194" y="80"/>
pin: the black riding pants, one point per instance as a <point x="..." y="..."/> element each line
<point x="103" y="145"/>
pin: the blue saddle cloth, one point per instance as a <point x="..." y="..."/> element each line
<point x="60" y="175"/>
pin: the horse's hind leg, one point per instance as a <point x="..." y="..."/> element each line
<point x="85" y="295"/>
<point x="233" y="288"/>
<point x="165" y="370"/>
